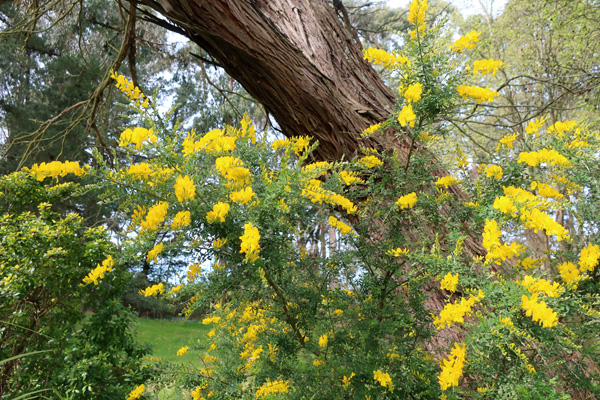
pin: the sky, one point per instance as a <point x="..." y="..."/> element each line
<point x="468" y="7"/>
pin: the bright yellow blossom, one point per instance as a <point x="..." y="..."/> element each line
<point x="218" y="213"/>
<point x="413" y="92"/>
<point x="242" y="196"/>
<point x="153" y="254"/>
<point x="449" y="282"/>
<point x="136" y="393"/>
<point x="407" y="201"/>
<point x="478" y="93"/>
<point x="488" y="66"/>
<point x="452" y="368"/>
<point x="184" y="188"/>
<point x="407" y="116"/>
<point x="465" y="42"/>
<point x="182" y="218"/>
<point x="539" y="311"/>
<point x="250" y="239"/>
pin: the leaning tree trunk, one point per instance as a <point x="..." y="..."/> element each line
<point x="306" y="67"/>
<point x="297" y="59"/>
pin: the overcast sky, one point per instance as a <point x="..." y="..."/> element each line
<point x="468" y="7"/>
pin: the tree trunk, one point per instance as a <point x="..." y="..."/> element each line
<point x="297" y="59"/>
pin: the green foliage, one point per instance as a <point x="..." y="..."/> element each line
<point x="43" y="262"/>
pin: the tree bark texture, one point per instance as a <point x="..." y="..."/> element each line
<point x="297" y="59"/>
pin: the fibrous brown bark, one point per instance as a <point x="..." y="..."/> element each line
<point x="297" y="59"/>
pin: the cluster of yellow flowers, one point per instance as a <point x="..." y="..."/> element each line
<point x="153" y="254"/>
<point x="129" y="89"/>
<point x="491" y="171"/>
<point x="98" y="272"/>
<point x="456" y="312"/>
<point x="370" y="161"/>
<point x="242" y="196"/>
<point x="182" y="218"/>
<point x="398" y="252"/>
<point x="182" y="351"/>
<point x="153" y="290"/>
<point x="184" y="188"/>
<point x="233" y="170"/>
<point x="250" y="245"/>
<point x="371" y="130"/>
<point x="214" y="141"/>
<point x="340" y="226"/>
<point x="384" y="379"/>
<point x="539" y="311"/>
<point x="136" y="393"/>
<point x="478" y="93"/>
<point x="488" y="66"/>
<point x="156" y="216"/>
<point x="55" y="169"/>
<point x="507" y="141"/>
<point x="538" y="285"/>
<point x="407" y="201"/>
<point x="449" y="282"/>
<point x="452" y="368"/>
<point x="407" y="116"/>
<point x="317" y="194"/>
<point x="137" y="136"/>
<point x="218" y="213"/>
<point x="446" y="181"/>
<point x="279" y="386"/>
<point x="534" y="126"/>
<point x="349" y="177"/>
<point x="385" y="59"/>
<point x="416" y="16"/>
<point x="548" y="156"/>
<point x="496" y="251"/>
<point x="465" y="42"/>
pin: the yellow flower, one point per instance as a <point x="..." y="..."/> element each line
<point x="465" y="42"/>
<point x="346" y="380"/>
<point x="242" y="196"/>
<point x="494" y="171"/>
<point x="449" y="282"/>
<point x="478" y="93"/>
<point x="407" y="116"/>
<point x="129" y="89"/>
<point x="539" y="311"/>
<point x="137" y="136"/>
<point x="549" y="156"/>
<point x="506" y="205"/>
<point x="153" y="254"/>
<point x="416" y="12"/>
<point x="383" y="378"/>
<point x="488" y="66"/>
<point x="456" y="312"/>
<point x="250" y="239"/>
<point x="413" y="92"/>
<point x="182" y="350"/>
<point x="535" y="285"/>
<point x="507" y="141"/>
<point x="588" y="258"/>
<point x="269" y="387"/>
<point x="182" y="218"/>
<point x="317" y="363"/>
<point x="534" y="126"/>
<point x="338" y="312"/>
<point x="136" y="393"/>
<point x="156" y="215"/>
<point x="349" y="177"/>
<point x="446" y="181"/>
<point x="55" y="169"/>
<point x="370" y="161"/>
<point x="98" y="272"/>
<point x="218" y="213"/>
<point x="569" y="273"/>
<point x="184" y="188"/>
<point x="407" y="201"/>
<point x="385" y="59"/>
<point x="300" y="144"/>
<point x="323" y="341"/>
<point x="370" y="130"/>
<point x="153" y="290"/>
<point x="340" y="226"/>
<point x="452" y="367"/>
<point x="277" y="144"/>
<point x="398" y="252"/>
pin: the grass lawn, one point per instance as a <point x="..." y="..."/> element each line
<point x="166" y="337"/>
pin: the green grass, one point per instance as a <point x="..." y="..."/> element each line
<point x="166" y="337"/>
